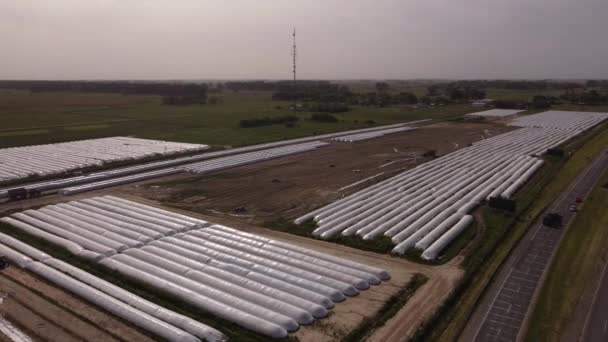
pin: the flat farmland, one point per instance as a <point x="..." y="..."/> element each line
<point x="291" y="186"/>
<point x="48" y="117"/>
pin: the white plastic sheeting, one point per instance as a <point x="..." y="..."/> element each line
<point x="210" y="305"/>
<point x="182" y="322"/>
<point x="119" y="181"/>
<point x="72" y="247"/>
<point x="138" y="311"/>
<point x="372" y="135"/>
<point x="432" y="252"/>
<point x="219" y="268"/>
<point x="101" y="226"/>
<point x="251" y="157"/>
<point x="421" y="205"/>
<point x="125" y="175"/>
<point x="110" y="304"/>
<point x="265" y="285"/>
<point x="52" y="159"/>
<point x="495" y="113"/>
<point x="207" y="166"/>
<point x="566" y="120"/>
<point x="49" y="228"/>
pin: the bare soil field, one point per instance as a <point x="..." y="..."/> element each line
<point x="291" y="186"/>
<point x="47" y="313"/>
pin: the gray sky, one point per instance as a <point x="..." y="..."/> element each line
<point x="345" y="39"/>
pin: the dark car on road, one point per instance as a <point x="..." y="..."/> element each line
<point x="552" y="220"/>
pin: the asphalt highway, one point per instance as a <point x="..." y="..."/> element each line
<point x="505" y="305"/>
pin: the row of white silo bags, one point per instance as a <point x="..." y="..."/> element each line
<point x="434" y="250"/>
<point x="52" y="159"/>
<point x="7" y="172"/>
<point x="100" y="227"/>
<point x="99" y="178"/>
<point x="266" y="286"/>
<point x="139" y="172"/>
<point x="281" y="143"/>
<point x="371" y="135"/>
<point x="566" y="120"/>
<point x="414" y="206"/>
<point x="495" y="113"/>
<point x="219" y="164"/>
<point x="326" y="136"/>
<point x="119" y="181"/>
<point x="140" y="312"/>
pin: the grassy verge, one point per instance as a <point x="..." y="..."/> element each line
<point x="387" y="311"/>
<point x="233" y="331"/>
<point x="504" y="230"/>
<point x="572" y="269"/>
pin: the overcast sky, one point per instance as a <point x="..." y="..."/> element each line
<point x="337" y="39"/>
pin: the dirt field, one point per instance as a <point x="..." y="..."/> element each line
<point x="47" y="313"/>
<point x="289" y="187"/>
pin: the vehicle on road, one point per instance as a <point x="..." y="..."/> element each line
<point x="579" y="200"/>
<point x="572" y="208"/>
<point x="552" y="220"/>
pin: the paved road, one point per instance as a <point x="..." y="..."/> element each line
<point x="596" y="325"/>
<point x="502" y="311"/>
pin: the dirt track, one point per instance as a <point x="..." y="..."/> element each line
<point x="291" y="186"/>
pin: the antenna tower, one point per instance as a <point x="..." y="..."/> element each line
<point x="293" y="54"/>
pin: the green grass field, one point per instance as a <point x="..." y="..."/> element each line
<point x="48" y="117"/>
<point x="37" y="118"/>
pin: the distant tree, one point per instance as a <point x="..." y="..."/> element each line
<point x="540" y="102"/>
<point x="382" y="87"/>
<point x="593" y="83"/>
<point x="433" y="90"/>
<point x="288" y="120"/>
<point x="509" y="104"/>
<point x="213" y="100"/>
<point x="323" y="117"/>
<point x="327" y="107"/>
<point x="457" y="94"/>
<point x="407" y="98"/>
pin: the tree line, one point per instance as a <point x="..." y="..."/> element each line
<point x="174" y="93"/>
<point x="288" y="120"/>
